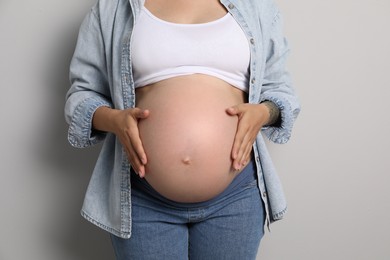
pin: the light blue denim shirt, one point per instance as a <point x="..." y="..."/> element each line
<point x="101" y="75"/>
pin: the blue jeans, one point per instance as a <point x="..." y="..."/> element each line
<point x="229" y="227"/>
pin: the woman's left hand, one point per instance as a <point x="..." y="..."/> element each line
<point x="251" y="118"/>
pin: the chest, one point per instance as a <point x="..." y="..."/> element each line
<point x="160" y="48"/>
<point x="186" y="12"/>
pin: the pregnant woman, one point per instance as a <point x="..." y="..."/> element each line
<point x="180" y="91"/>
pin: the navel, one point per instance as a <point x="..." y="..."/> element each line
<point x="186" y="160"/>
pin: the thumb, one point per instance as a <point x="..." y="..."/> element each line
<point x="233" y="111"/>
<point x="141" y="113"/>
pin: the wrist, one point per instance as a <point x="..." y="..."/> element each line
<point x="273" y="112"/>
<point x="104" y="119"/>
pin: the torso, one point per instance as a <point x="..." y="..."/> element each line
<point x="188" y="136"/>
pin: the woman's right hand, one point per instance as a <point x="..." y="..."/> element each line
<point x="124" y="124"/>
<point x="127" y="131"/>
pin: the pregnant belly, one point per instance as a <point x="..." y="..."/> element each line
<point x="188" y="136"/>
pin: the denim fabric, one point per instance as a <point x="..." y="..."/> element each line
<point x="229" y="227"/>
<point x="101" y="75"/>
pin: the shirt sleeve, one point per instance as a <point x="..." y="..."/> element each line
<point x="277" y="86"/>
<point x="89" y="85"/>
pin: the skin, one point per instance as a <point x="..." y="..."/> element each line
<point x="187" y="12"/>
<point x="124" y="123"/>
<point x="251" y="118"/>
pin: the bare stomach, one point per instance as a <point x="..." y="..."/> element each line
<point x="188" y="136"/>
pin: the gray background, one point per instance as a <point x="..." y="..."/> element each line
<point x="335" y="169"/>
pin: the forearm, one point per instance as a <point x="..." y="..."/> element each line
<point x="103" y="119"/>
<point x="273" y="112"/>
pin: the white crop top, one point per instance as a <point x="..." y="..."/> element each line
<point x="161" y="50"/>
